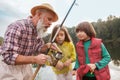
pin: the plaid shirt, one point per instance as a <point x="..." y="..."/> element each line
<point x="20" y="38"/>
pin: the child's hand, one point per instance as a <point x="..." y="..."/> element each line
<point x="92" y="67"/>
<point x="67" y="63"/>
<point x="59" y="65"/>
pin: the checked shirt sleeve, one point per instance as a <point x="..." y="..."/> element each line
<point x="10" y="46"/>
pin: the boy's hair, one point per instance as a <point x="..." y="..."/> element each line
<point x="63" y="28"/>
<point x="87" y="28"/>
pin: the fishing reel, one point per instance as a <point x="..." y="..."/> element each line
<point x="57" y="55"/>
<point x="54" y="57"/>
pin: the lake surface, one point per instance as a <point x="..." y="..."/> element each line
<point x="46" y="73"/>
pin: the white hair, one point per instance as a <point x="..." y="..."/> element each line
<point x="41" y="10"/>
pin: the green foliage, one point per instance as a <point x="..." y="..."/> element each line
<point x="1" y="40"/>
<point x="73" y="35"/>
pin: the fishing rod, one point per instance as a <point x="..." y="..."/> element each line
<point x="36" y="71"/>
<point x="63" y="21"/>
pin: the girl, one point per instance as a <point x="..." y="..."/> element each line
<point x="63" y="68"/>
<point x="92" y="56"/>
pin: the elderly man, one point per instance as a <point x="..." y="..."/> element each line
<point x="22" y="40"/>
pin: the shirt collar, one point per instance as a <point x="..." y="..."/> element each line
<point x="30" y="22"/>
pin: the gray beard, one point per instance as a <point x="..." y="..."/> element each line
<point x="41" y="33"/>
<point x="41" y="30"/>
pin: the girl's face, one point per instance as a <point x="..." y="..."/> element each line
<point x="60" y="37"/>
<point x="82" y="36"/>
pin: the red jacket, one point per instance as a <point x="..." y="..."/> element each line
<point x="81" y="71"/>
<point x="94" y="53"/>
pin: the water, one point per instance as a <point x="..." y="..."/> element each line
<point x="114" y="71"/>
<point x="46" y="73"/>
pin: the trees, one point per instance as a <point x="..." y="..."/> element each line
<point x="1" y="40"/>
<point x="109" y="31"/>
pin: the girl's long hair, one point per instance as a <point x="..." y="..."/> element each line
<point x="63" y="28"/>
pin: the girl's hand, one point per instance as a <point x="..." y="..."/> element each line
<point x="59" y="65"/>
<point x="67" y="63"/>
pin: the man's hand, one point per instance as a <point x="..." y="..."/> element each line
<point x="53" y="46"/>
<point x="40" y="59"/>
